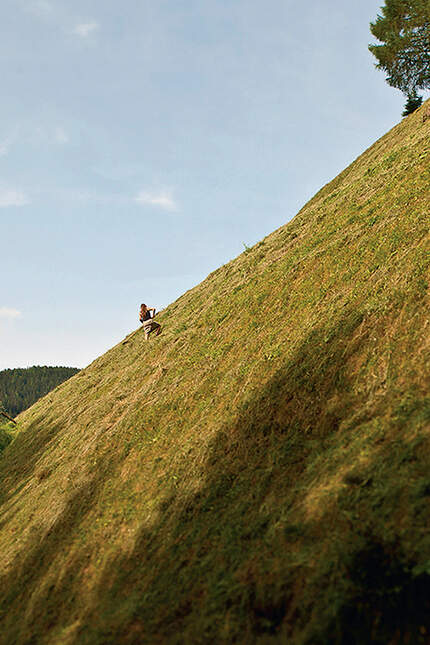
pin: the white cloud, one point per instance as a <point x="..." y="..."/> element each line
<point x="6" y="143"/>
<point x="42" y="8"/>
<point x="163" y="200"/>
<point x="4" y="148"/>
<point x="9" y="312"/>
<point x="44" y="134"/>
<point x="61" y="135"/>
<point x="85" y="29"/>
<point x="11" y="197"/>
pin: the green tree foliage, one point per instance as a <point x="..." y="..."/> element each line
<point x="20" y="388"/>
<point x="413" y="103"/>
<point x="404" y="31"/>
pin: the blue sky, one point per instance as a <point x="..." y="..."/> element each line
<point x="143" y="143"/>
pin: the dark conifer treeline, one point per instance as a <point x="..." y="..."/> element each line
<point x="20" y="388"/>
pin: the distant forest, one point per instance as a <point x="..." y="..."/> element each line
<point x="20" y="388"/>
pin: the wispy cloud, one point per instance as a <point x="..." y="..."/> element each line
<point x="8" y="141"/>
<point x="9" y="313"/>
<point x="61" y="16"/>
<point x="44" y="134"/>
<point x="34" y="134"/>
<point x="41" y="8"/>
<point x="163" y="200"/>
<point x="86" y="29"/>
<point x="61" y="135"/>
<point x="4" y="148"/>
<point x="11" y="197"/>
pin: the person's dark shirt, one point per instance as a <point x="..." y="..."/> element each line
<point x="146" y="317"/>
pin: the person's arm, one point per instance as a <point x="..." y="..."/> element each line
<point x="153" y="310"/>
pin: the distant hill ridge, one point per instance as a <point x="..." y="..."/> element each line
<point x="260" y="473"/>
<point x="21" y="387"/>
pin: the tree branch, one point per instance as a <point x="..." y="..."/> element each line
<point x="8" y="417"/>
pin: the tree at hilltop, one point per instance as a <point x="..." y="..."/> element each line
<point x="404" y="31"/>
<point x="413" y="103"/>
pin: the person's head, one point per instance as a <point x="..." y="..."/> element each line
<point x="142" y="306"/>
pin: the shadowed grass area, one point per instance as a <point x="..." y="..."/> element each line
<point x="259" y="473"/>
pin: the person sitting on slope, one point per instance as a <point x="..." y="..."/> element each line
<point x="148" y="321"/>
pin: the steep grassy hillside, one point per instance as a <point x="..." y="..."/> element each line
<point x="261" y="471"/>
<point x="6" y="433"/>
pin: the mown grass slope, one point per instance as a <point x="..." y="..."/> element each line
<point x="261" y="471"/>
<point x="6" y="433"/>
